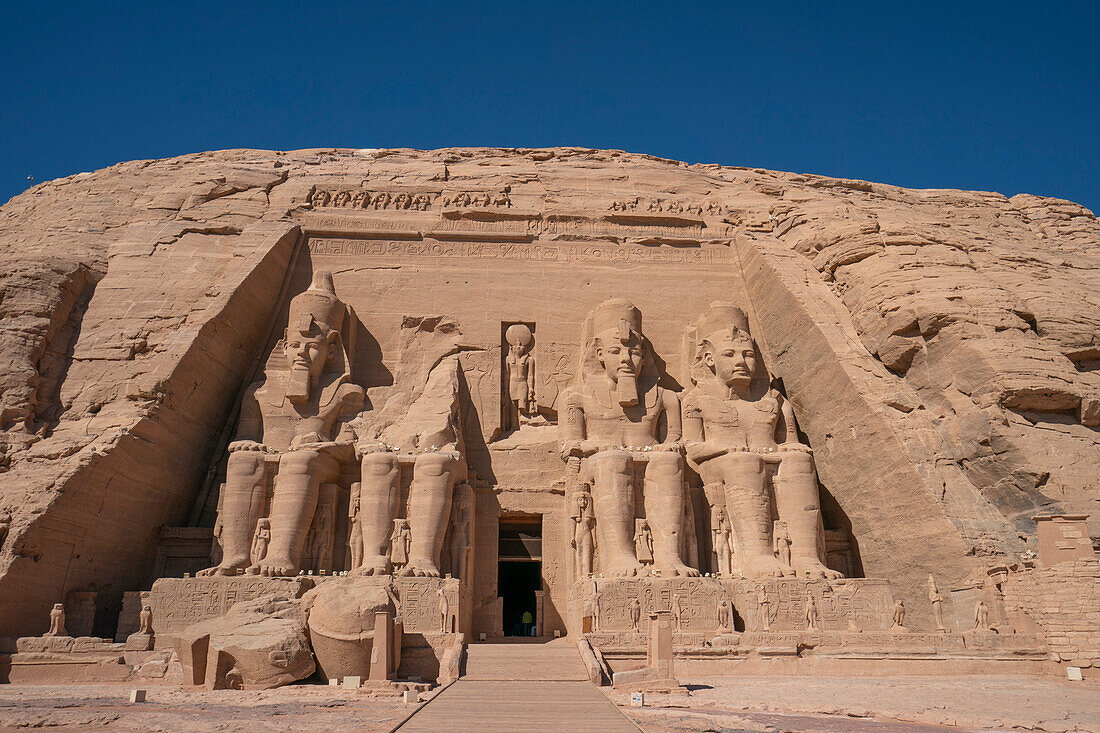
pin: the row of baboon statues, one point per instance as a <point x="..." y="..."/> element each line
<point x="619" y="430"/>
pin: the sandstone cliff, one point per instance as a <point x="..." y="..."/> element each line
<point x="941" y="348"/>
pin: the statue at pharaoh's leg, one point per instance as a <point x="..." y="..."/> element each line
<point x="429" y="438"/>
<point x="617" y="415"/>
<point x="736" y="429"/>
<point x="292" y="421"/>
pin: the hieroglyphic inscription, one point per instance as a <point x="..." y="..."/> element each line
<point x="853" y="603"/>
<point x="419" y="602"/>
<point x="698" y="601"/>
<point x="615" y="254"/>
<point x="179" y="602"/>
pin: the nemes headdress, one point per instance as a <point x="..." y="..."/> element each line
<point x="317" y="306"/>
<point x="722" y="317"/>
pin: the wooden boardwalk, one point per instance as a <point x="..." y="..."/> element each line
<point x="500" y="706"/>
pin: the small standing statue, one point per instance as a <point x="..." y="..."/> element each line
<point x="400" y="543"/>
<point x="521" y="374"/>
<point x="355" y="527"/>
<point x="57" y="621"/>
<point x="723" y="549"/>
<point x="322" y="541"/>
<point x="259" y="544"/>
<point x="460" y="535"/>
<point x="723" y="614"/>
<point x="145" y="621"/>
<point x="635" y="613"/>
<point x="937" y="604"/>
<point x="782" y="543"/>
<point x="899" y="616"/>
<point x="444" y="610"/>
<point x="811" y="614"/>
<point x="643" y="542"/>
<point x="981" y="617"/>
<point x="678" y="611"/>
<point x="583" y="534"/>
<point x="765" y="605"/>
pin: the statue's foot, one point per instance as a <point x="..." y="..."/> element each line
<point x="372" y="566"/>
<point x="278" y="567"/>
<point x="421" y="568"/>
<point x="767" y="566"/>
<point x="227" y="567"/>
<point x="252" y="570"/>
<point x="811" y="567"/>
<point x="627" y="567"/>
<point x="676" y="569"/>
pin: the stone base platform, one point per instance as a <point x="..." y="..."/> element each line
<point x="850" y="604"/>
<point x="835" y="653"/>
<point x="64" y="659"/>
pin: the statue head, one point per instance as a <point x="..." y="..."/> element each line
<point x="312" y="337"/>
<point x="619" y="346"/>
<point x="582" y="501"/>
<point x="726" y="348"/>
<point x="719" y="514"/>
<point x="519" y="339"/>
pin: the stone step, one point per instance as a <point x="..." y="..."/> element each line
<point x="556" y="660"/>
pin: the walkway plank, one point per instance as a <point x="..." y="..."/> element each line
<point x="471" y="706"/>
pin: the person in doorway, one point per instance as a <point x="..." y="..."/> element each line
<point x="527" y="621"/>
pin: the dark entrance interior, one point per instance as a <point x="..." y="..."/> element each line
<point x="519" y="572"/>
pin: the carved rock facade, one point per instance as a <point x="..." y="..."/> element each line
<point x="417" y="364"/>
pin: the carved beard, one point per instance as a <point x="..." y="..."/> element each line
<point x="297" y="389"/>
<point x="626" y="389"/>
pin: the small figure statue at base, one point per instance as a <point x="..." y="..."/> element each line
<point x="400" y="542"/>
<point x="764" y="604"/>
<point x="643" y="542"/>
<point x="723" y="548"/>
<point x="811" y="614"/>
<point x="635" y="613"/>
<point x="937" y="604"/>
<point x="259" y="544"/>
<point x="678" y="611"/>
<point x="899" y="616"/>
<point x="57" y="621"/>
<point x="583" y="541"/>
<point x="723" y="614"/>
<point x="444" y="610"/>
<point x="981" y="617"/>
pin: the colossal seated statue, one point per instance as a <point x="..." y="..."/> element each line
<point x="616" y="416"/>
<point x="292" y="422"/>
<point x="429" y="438"/>
<point x="732" y="417"/>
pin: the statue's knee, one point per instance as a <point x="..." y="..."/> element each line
<point x="743" y="464"/>
<point x="796" y="465"/>
<point x="612" y="461"/>
<point x="432" y="465"/>
<point x="664" y="464"/>
<point x="245" y="462"/>
<point x="379" y="464"/>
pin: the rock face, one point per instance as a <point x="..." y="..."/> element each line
<point x="257" y="645"/>
<point x="940" y="349"/>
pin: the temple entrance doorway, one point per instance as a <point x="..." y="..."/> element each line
<point x="519" y="572"/>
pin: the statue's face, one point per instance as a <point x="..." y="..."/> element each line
<point x="310" y="352"/>
<point x="582" y="501"/>
<point x="733" y="360"/>
<point x="619" y="359"/>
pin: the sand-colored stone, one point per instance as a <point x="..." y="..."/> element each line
<point x="938" y="350"/>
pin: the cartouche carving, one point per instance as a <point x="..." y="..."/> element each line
<point x="731" y="419"/>
<point x="294" y="420"/>
<point x="615" y="416"/>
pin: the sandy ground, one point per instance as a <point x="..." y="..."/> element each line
<point x="874" y="705"/>
<point x="106" y="707"/>
<point x="759" y="705"/>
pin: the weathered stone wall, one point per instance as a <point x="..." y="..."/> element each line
<point x="940" y="347"/>
<point x="1064" y="600"/>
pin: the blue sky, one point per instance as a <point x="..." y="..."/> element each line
<point x="992" y="96"/>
